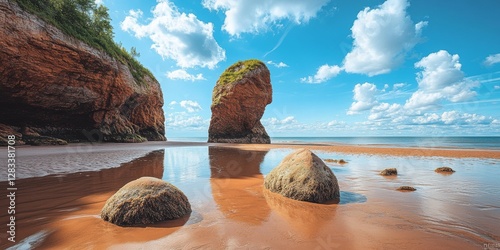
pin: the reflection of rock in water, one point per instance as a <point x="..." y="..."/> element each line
<point x="236" y="184"/>
<point x="47" y="199"/>
<point x="149" y="165"/>
<point x="234" y="163"/>
<point x="304" y="217"/>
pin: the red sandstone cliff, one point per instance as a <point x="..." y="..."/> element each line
<point x="239" y="99"/>
<point x="59" y="86"/>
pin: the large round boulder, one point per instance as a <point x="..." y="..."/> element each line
<point x="239" y="99"/>
<point x="303" y="176"/>
<point x="146" y="200"/>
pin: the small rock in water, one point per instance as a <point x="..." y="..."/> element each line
<point x="330" y="160"/>
<point x="406" y="188"/>
<point x="444" y="170"/>
<point x="341" y="161"/>
<point x="389" y="172"/>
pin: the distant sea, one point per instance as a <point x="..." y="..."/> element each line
<point x="481" y="142"/>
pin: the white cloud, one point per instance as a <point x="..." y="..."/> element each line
<point x="427" y="119"/>
<point x="422" y="100"/>
<point x="177" y="36"/>
<point x="277" y="65"/>
<point x="384" y="111"/>
<point x="492" y="59"/>
<point x="324" y="73"/>
<point x="441" y="79"/>
<point x="99" y="2"/>
<point x="181" y="74"/>
<point x="382" y="36"/>
<point x="172" y="103"/>
<point x="183" y="121"/>
<point x="335" y="123"/>
<point x="276" y="121"/>
<point x="254" y="16"/>
<point x="364" y="98"/>
<point x="454" y="117"/>
<point x="190" y="106"/>
<point x="399" y="86"/>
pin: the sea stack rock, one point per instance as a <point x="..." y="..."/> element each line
<point x="61" y="87"/>
<point x="239" y="99"/>
<point x="146" y="200"/>
<point x="303" y="176"/>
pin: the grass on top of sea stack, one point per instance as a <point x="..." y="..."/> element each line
<point x="236" y="71"/>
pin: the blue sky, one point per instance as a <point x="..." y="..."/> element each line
<point x="338" y="68"/>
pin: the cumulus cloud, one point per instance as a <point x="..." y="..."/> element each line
<point x="382" y="36"/>
<point x="181" y="74"/>
<point x="184" y="121"/>
<point x="385" y="111"/>
<point x="492" y="59"/>
<point x="254" y="16"/>
<point x="277" y="65"/>
<point x="335" y="123"/>
<point x="427" y="119"/>
<point x="441" y="79"/>
<point x="324" y="73"/>
<point x="276" y="121"/>
<point x="178" y="36"/>
<point x="454" y="117"/>
<point x="99" y="2"/>
<point x="190" y="106"/>
<point x="364" y="98"/>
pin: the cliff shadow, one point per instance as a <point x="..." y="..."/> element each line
<point x="50" y="202"/>
<point x="236" y="183"/>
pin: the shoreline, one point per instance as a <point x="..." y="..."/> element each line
<point x="376" y="149"/>
<point x="84" y="157"/>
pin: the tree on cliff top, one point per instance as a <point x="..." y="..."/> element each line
<point x="88" y="22"/>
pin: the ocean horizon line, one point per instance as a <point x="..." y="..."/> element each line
<point x="399" y="141"/>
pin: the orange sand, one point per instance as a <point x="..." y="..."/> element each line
<point x="239" y="213"/>
<point x="351" y="149"/>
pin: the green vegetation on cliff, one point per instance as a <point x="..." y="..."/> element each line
<point x="236" y="71"/>
<point x="84" y="20"/>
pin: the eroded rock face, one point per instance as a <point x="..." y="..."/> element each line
<point x="239" y="99"/>
<point x="303" y="176"/>
<point x="61" y="87"/>
<point x="146" y="200"/>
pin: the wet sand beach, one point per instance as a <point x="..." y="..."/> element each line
<point x="232" y="210"/>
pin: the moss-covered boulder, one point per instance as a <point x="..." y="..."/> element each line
<point x="146" y="200"/>
<point x="239" y="99"/>
<point x="303" y="176"/>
